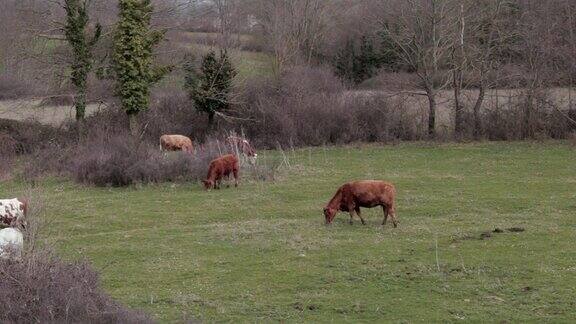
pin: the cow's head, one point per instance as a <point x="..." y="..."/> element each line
<point x="208" y="184"/>
<point x="329" y="214"/>
<point x="249" y="152"/>
<point x="23" y="206"/>
<point x="252" y="159"/>
<point x="21" y="221"/>
<point x="19" y="224"/>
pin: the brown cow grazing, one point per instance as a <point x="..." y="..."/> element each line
<point x="175" y="143"/>
<point x="220" y="168"/>
<point x="368" y="193"/>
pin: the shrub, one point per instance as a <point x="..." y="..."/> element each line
<point x="115" y="162"/>
<point x="51" y="159"/>
<point x="121" y="161"/>
<point x="173" y="113"/>
<point x="109" y="156"/>
<point x="507" y="124"/>
<point x="27" y="136"/>
<point x="12" y="88"/>
<point x="58" y="100"/>
<point x="44" y="289"/>
<point x="310" y="106"/>
<point x="100" y="90"/>
<point x="394" y="81"/>
<point x="8" y="147"/>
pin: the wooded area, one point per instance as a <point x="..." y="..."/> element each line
<point x="63" y="53"/>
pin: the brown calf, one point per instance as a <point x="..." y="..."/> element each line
<point x="220" y="168"/>
<point x="175" y="143"/>
<point x="368" y="193"/>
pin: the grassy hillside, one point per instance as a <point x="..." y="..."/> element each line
<point x="247" y="63"/>
<point x="262" y="253"/>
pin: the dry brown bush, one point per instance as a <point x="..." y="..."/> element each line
<point x="172" y="112"/>
<point x="13" y="88"/>
<point x="309" y="106"/>
<point x="122" y="160"/>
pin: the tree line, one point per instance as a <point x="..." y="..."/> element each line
<point x="132" y="66"/>
<point x="444" y="45"/>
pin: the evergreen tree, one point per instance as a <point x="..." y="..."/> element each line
<point x="134" y="41"/>
<point x="75" y="31"/>
<point x="358" y="63"/>
<point x="367" y="61"/>
<point x="388" y="53"/>
<point x="209" y="88"/>
<point x="344" y="61"/>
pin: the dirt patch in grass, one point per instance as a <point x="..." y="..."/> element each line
<point x="487" y="234"/>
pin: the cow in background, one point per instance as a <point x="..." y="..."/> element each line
<point x="12" y="215"/>
<point x="175" y="143"/>
<point x="241" y="145"/>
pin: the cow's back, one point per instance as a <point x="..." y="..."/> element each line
<point x="11" y="209"/>
<point x="226" y="162"/>
<point x="370" y="193"/>
<point x="222" y="166"/>
<point x="176" y="142"/>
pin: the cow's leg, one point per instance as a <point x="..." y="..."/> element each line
<point x="360" y="215"/>
<point x="352" y="211"/>
<point x="352" y="216"/>
<point x="392" y="213"/>
<point x="385" y="211"/>
<point x="235" y="171"/>
<point x="228" y="180"/>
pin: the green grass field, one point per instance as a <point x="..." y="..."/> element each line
<point x="261" y="252"/>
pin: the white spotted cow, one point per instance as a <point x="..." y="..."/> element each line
<point x="12" y="212"/>
<point x="241" y="146"/>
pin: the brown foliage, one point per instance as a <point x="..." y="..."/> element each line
<point x="122" y="160"/>
<point x="13" y="88"/>
<point x="309" y="106"/>
<point x="42" y="288"/>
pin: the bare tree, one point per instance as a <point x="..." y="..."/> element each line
<point x="459" y="64"/>
<point x="540" y="41"/>
<point x="422" y="31"/>
<point x="21" y="52"/>
<point x="484" y="38"/>
<point x="229" y="21"/>
<point x="294" y="28"/>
